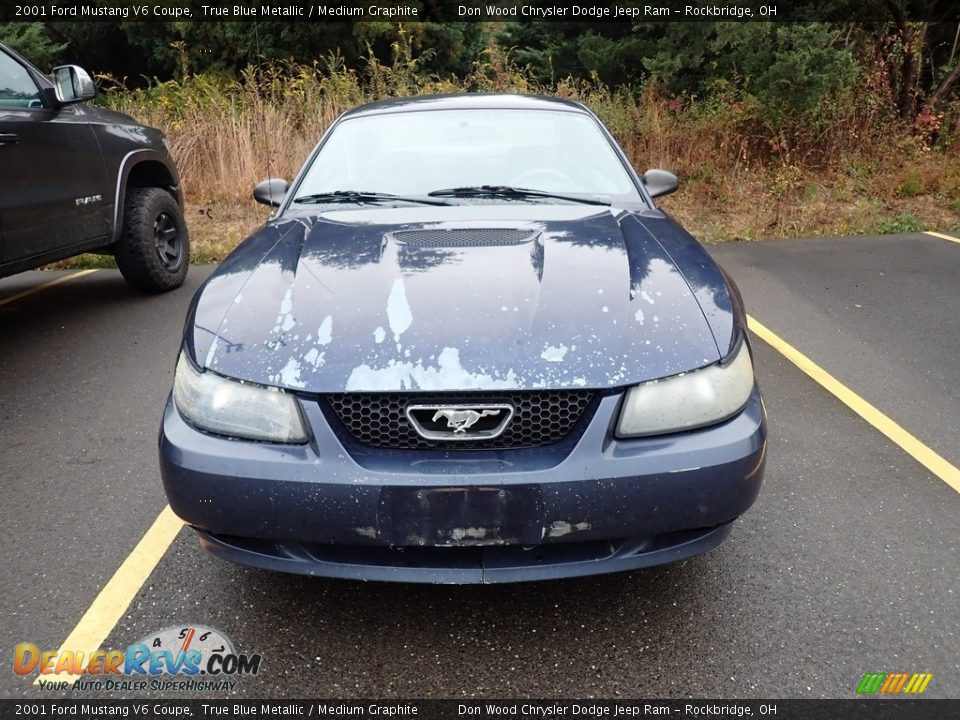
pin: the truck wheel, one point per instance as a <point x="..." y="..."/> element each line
<point x="153" y="252"/>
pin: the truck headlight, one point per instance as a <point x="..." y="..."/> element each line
<point x="236" y="409"/>
<point x="690" y="400"/>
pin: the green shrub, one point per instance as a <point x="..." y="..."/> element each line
<point x="901" y="224"/>
<point x="911" y="185"/>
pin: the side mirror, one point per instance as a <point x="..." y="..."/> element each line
<point x="73" y="84"/>
<point x="271" y="192"/>
<point x="660" y="182"/>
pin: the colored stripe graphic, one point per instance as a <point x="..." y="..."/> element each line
<point x="871" y="682"/>
<point x="889" y="683"/>
<point x="900" y="682"/>
<point x="894" y="683"/>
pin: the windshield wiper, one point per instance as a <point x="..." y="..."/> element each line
<point x="361" y="196"/>
<point x="510" y="192"/>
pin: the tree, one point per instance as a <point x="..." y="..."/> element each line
<point x="789" y="67"/>
<point x="32" y="41"/>
<point x="921" y="60"/>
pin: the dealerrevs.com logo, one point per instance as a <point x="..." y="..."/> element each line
<point x="187" y="658"/>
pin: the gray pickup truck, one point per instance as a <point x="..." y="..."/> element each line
<point x="75" y="179"/>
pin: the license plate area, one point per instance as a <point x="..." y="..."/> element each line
<point x="461" y="516"/>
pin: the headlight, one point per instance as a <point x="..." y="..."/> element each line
<point x="687" y="401"/>
<point x="236" y="409"/>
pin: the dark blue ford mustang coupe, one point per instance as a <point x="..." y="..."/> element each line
<point x="467" y="348"/>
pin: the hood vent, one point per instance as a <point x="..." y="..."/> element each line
<point x="476" y="237"/>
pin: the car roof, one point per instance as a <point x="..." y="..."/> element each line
<point x="467" y="101"/>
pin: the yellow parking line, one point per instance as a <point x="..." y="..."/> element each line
<point x="115" y="597"/>
<point x="923" y="454"/>
<point x="44" y="286"/>
<point x="941" y="236"/>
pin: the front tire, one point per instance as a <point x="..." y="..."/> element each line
<point x="153" y="252"/>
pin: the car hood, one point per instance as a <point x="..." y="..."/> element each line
<point x="479" y="297"/>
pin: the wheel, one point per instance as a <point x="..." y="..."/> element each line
<point x="153" y="252"/>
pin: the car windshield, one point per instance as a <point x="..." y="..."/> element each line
<point x="417" y="152"/>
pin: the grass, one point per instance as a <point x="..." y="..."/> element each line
<point x="853" y="169"/>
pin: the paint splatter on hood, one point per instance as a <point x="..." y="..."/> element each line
<point x="466" y="298"/>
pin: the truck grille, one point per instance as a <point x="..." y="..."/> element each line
<point x="541" y="417"/>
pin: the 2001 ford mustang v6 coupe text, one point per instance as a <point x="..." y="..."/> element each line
<point x="467" y="348"/>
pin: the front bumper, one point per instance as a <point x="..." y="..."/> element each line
<point x="589" y="505"/>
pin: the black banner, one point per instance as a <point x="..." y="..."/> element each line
<point x="861" y="709"/>
<point x="624" y="11"/>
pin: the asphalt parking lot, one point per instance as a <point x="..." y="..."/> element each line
<point x="847" y="564"/>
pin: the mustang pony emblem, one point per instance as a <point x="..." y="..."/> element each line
<point x="474" y="421"/>
<point x="462" y="420"/>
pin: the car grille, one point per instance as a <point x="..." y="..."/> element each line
<point x="477" y="237"/>
<point x="379" y="420"/>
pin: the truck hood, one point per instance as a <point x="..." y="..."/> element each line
<point x="478" y="297"/>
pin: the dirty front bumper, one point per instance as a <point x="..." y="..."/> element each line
<point x="590" y="504"/>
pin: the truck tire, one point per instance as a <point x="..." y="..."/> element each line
<point x="153" y="252"/>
